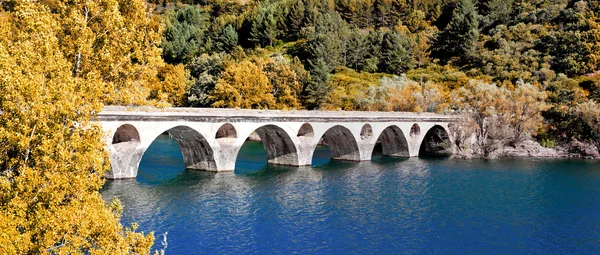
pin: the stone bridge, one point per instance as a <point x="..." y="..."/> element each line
<point x="210" y="139"/>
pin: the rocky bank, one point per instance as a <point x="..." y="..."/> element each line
<point x="530" y="148"/>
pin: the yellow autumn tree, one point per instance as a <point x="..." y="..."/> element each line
<point x="502" y="114"/>
<point x="525" y="108"/>
<point x="116" y="40"/>
<point x="171" y="88"/>
<point x="52" y="160"/>
<point x="347" y="89"/>
<point x="243" y="85"/>
<point x="286" y="77"/>
<point x="399" y="93"/>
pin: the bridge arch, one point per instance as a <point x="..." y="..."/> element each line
<point x="415" y="130"/>
<point x="226" y="130"/>
<point x="366" y="132"/>
<point x="306" y="130"/>
<point x="126" y="133"/>
<point x="196" y="150"/>
<point x="435" y="143"/>
<point x="342" y="143"/>
<point x="279" y="145"/>
<point x="393" y="142"/>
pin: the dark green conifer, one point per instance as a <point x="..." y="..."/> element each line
<point x="356" y="50"/>
<point x="296" y="19"/>
<point x="317" y="88"/>
<point x="227" y="40"/>
<point x="184" y="36"/>
<point x="383" y="13"/>
<point x="395" y="59"/>
<point x="263" y="31"/>
<point x="458" y="39"/>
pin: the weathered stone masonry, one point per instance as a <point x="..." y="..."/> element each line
<point x="210" y="139"/>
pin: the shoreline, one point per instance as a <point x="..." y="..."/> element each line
<point x="532" y="149"/>
<point x="528" y="149"/>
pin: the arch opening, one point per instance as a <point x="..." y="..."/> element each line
<point x="436" y="143"/>
<point x="126" y="133"/>
<point x="366" y="132"/>
<point x="342" y="145"/>
<point x="415" y="130"/>
<point x="279" y="149"/>
<point x="392" y="143"/>
<point x="174" y="150"/>
<point x="226" y="131"/>
<point x="306" y="130"/>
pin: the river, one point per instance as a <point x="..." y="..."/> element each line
<point x="386" y="206"/>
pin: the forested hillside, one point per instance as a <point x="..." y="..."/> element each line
<point x="515" y="69"/>
<point x="529" y="66"/>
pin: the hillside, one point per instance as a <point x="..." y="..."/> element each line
<point x="529" y="66"/>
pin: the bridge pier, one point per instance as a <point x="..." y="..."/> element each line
<point x="306" y="148"/>
<point x="125" y="158"/>
<point x="226" y="152"/>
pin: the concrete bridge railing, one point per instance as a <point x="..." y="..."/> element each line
<point x="210" y="139"/>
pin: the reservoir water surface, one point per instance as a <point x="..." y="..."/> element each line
<point x="386" y="206"/>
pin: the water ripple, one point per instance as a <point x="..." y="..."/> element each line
<point x="388" y="206"/>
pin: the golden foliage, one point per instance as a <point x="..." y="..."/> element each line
<point x="348" y="88"/>
<point x="172" y="86"/>
<point x="51" y="157"/>
<point x="286" y="78"/>
<point x="260" y="83"/>
<point x="517" y="112"/>
<point x="243" y="85"/>
<point x="401" y="94"/>
<point x="525" y="107"/>
<point x="116" y="40"/>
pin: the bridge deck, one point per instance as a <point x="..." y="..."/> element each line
<point x="120" y="113"/>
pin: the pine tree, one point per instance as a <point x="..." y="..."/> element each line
<point x="263" y="31"/>
<point x="494" y="12"/>
<point x="395" y="59"/>
<point x="461" y="34"/>
<point x="346" y="9"/>
<point x="296" y="19"/>
<point x="184" y="35"/>
<point x="228" y="39"/>
<point x="357" y="49"/>
<point x="317" y="88"/>
<point x="365" y="11"/>
<point x="383" y="13"/>
<point x="329" y="40"/>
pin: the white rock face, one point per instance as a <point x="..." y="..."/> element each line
<point x="530" y="148"/>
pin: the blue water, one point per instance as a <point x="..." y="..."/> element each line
<point x="387" y="206"/>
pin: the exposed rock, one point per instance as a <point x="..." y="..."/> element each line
<point x="530" y="148"/>
<point x="585" y="150"/>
